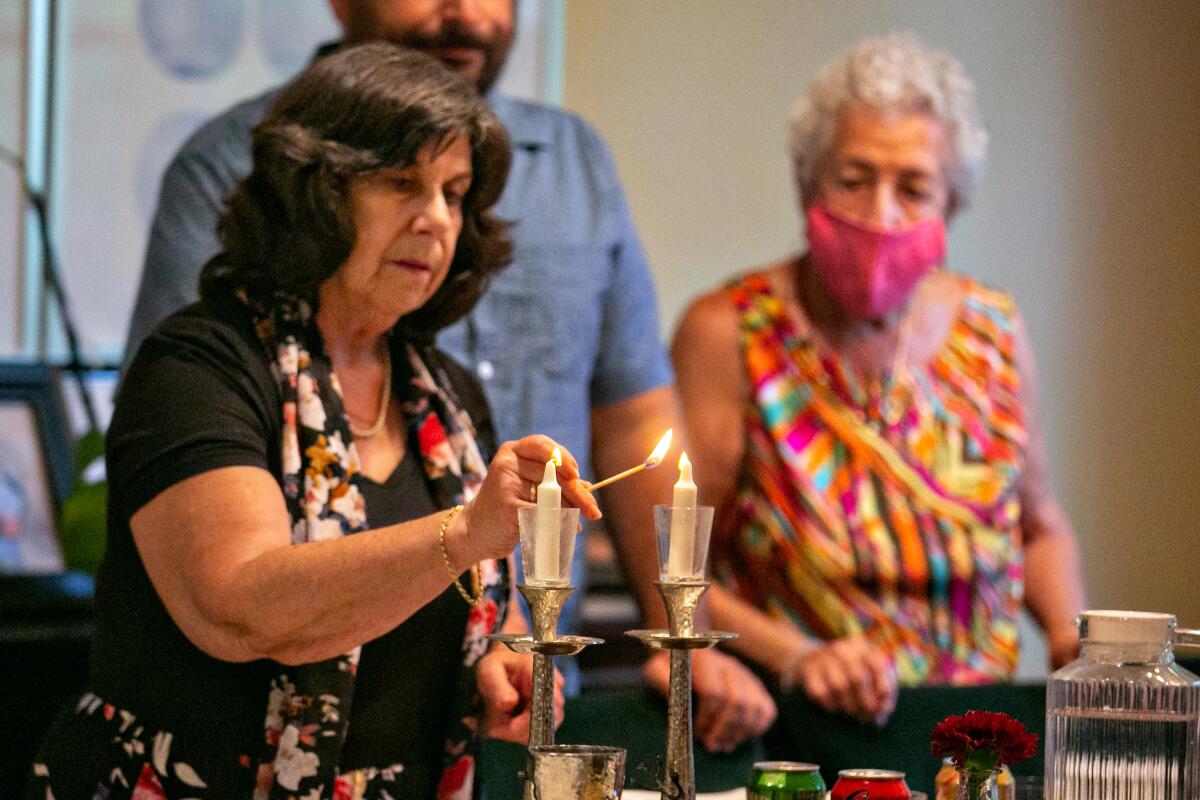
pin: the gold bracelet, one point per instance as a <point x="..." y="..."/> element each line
<point x="476" y="583"/>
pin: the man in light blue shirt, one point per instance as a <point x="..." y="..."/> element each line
<point x="565" y="342"/>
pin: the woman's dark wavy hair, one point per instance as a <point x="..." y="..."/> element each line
<point x="288" y="225"/>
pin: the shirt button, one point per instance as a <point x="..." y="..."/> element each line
<point x="485" y="370"/>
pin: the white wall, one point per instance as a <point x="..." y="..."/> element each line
<point x="135" y="79"/>
<point x="1089" y="213"/>
<point x="12" y="77"/>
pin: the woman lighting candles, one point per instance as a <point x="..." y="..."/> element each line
<point x="307" y="543"/>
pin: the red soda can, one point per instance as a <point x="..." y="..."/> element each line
<point x="870" y="784"/>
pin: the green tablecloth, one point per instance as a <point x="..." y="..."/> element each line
<point x="637" y="720"/>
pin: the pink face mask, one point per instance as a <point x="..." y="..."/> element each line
<point x="867" y="270"/>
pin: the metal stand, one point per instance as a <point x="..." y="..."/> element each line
<point x="680" y="598"/>
<point x="545" y="606"/>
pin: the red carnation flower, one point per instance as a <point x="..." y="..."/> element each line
<point x="982" y="740"/>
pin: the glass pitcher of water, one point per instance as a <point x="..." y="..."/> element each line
<point x="1123" y="721"/>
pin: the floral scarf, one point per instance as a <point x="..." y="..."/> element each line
<point x="308" y="708"/>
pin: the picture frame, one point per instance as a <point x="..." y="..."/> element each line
<point x="35" y="467"/>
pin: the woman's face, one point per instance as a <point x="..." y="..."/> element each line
<point x="407" y="221"/>
<point x="885" y="168"/>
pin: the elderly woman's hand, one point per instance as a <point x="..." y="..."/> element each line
<point x="505" y="683"/>
<point x="732" y="705"/>
<point x="490" y="520"/>
<point x="852" y="676"/>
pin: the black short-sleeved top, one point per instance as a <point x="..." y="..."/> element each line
<point x="200" y="395"/>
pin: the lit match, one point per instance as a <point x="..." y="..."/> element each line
<point x="653" y="460"/>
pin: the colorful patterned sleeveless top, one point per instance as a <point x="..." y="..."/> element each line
<point x="886" y="508"/>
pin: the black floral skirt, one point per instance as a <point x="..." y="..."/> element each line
<point x="96" y="751"/>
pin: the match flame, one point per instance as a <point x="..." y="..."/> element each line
<point x="556" y="456"/>
<point x="660" y="450"/>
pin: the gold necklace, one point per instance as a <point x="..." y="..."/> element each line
<point x="385" y="402"/>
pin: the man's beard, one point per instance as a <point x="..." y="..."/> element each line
<point x="495" y="50"/>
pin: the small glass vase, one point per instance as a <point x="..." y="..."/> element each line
<point x="977" y="787"/>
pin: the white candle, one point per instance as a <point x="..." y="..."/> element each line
<point x="682" y="542"/>
<point x="545" y="533"/>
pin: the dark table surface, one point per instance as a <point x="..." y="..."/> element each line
<point x="633" y="718"/>
<point x="636" y="719"/>
<point x="46" y="625"/>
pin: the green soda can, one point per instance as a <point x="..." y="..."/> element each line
<point x="785" y="780"/>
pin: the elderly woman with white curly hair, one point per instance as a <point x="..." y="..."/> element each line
<point x="863" y="417"/>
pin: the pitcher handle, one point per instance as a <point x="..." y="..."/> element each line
<point x="1187" y="637"/>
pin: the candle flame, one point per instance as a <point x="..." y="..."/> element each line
<point x="556" y="456"/>
<point x="660" y="450"/>
<point x="683" y="461"/>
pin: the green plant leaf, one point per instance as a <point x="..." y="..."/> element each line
<point x="88" y="448"/>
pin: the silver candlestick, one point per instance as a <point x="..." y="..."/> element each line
<point x="681" y="595"/>
<point x="546" y="589"/>
<point x="545" y="606"/>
